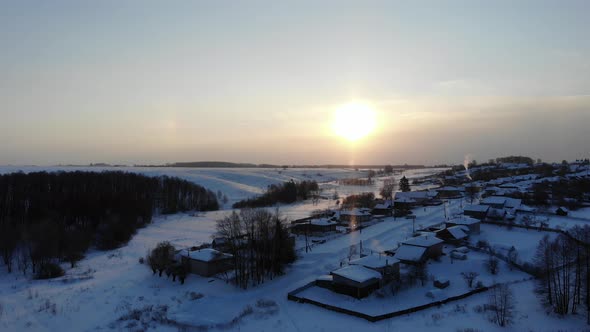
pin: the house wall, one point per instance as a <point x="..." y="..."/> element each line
<point x="476" y="214"/>
<point x="349" y="287"/>
<point x="434" y="251"/>
<point x="207" y="269"/>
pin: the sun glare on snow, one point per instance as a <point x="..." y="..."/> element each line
<point x="354" y="121"/>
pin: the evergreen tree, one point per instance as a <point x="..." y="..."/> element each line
<point x="404" y="184"/>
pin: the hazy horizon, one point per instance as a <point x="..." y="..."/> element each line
<point x="144" y="82"/>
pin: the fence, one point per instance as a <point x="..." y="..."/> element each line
<point x="292" y="296"/>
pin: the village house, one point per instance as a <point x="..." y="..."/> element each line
<point x="206" y="262"/>
<point x="449" y="192"/>
<point x="411" y="255"/>
<point x="314" y="226"/>
<point x="355" y="216"/>
<point x="496" y="202"/>
<point x="383" y="209"/>
<point x="419" y="249"/>
<point x="473" y="225"/>
<point x="479" y="212"/>
<point x="355" y="280"/>
<point x="454" y="234"/>
<point x="415" y="198"/>
<point x="386" y="265"/>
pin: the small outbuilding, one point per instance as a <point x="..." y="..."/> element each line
<point x="562" y="211"/>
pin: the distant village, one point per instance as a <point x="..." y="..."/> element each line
<point x="446" y="255"/>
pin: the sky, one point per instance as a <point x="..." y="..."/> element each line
<point x="138" y="82"/>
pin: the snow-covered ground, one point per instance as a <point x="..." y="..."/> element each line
<point x="501" y="239"/>
<point x="106" y="287"/>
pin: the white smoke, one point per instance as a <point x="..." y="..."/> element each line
<point x="466" y="162"/>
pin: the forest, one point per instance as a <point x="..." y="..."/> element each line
<point x="48" y="217"/>
<point x="288" y="192"/>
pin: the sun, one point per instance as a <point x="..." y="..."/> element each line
<point x="354" y="121"/>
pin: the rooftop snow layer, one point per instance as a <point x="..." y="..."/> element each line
<point x="423" y="241"/>
<point x="205" y="255"/>
<point x="410" y="253"/>
<point x="374" y="261"/>
<point x="357" y="273"/>
<point x="476" y="208"/>
<point x="465" y="221"/>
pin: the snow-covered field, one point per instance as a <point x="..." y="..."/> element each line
<point x="106" y="287"/>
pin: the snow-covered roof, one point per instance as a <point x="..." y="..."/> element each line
<point x="383" y="206"/>
<point x="322" y="222"/>
<point x="526" y="208"/>
<point x="204" y="255"/>
<point x="465" y="221"/>
<point x="476" y="208"/>
<point x="374" y="261"/>
<point x="423" y="241"/>
<point x="494" y="200"/>
<point x="458" y="232"/>
<point x="410" y="253"/>
<point x="448" y="188"/>
<point x="355" y="212"/>
<point x="325" y="277"/>
<point x="415" y="195"/>
<point x="405" y="200"/>
<point x="357" y="273"/>
<point x="513" y="202"/>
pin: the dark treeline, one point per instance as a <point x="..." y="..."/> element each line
<point x="46" y="217"/>
<point x="356" y="182"/>
<point x="288" y="192"/>
<point x="515" y="160"/>
<point x="565" y="192"/>
<point x="364" y="200"/>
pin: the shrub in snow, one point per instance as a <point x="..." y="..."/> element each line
<point x="49" y="271"/>
<point x="194" y="296"/>
<point x="141" y="260"/>
<point x="482" y="244"/>
<point x="493" y="265"/>
<point x="261" y="303"/>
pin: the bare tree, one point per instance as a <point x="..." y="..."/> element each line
<point x="388" y="189"/>
<point x="470" y="277"/>
<point x="501" y="302"/>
